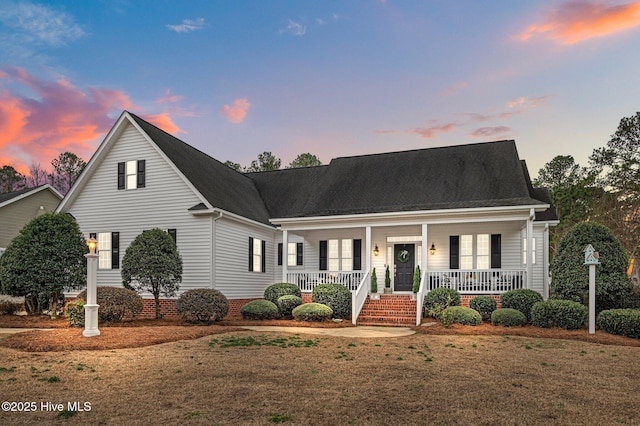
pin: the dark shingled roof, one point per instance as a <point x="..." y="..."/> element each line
<point x="222" y="186"/>
<point x="465" y="176"/>
<point x="10" y="195"/>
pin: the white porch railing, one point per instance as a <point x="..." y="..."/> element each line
<point x="358" y="297"/>
<point x="307" y="281"/>
<point x="420" y="299"/>
<point x="474" y="281"/>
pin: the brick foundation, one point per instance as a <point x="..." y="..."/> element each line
<point x="306" y="297"/>
<point x="466" y="298"/>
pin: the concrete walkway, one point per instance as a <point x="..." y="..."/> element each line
<point x="361" y="331"/>
<point x="20" y="330"/>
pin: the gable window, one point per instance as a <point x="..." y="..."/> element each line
<point x="108" y="249"/>
<point x="257" y="259"/>
<point x="533" y="251"/>
<point x="131" y="174"/>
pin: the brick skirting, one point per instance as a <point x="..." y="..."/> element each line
<point x="466" y="298"/>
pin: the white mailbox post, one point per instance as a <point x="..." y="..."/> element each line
<point x="591" y="259"/>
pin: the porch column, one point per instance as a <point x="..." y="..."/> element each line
<point x="545" y="291"/>
<point x="367" y="248"/>
<point x="529" y="258"/>
<point x="424" y="248"/>
<point x="285" y="255"/>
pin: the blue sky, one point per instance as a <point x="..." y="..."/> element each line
<point x="334" y="78"/>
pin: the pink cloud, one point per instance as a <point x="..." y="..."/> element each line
<point x="429" y="132"/>
<point x="236" y="113"/>
<point x="488" y="132"/>
<point x="60" y="117"/>
<point x="454" y="88"/>
<point x="576" y="21"/>
<point x="169" y="98"/>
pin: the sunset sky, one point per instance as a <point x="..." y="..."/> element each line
<point x="334" y="78"/>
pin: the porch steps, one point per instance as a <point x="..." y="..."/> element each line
<point x="396" y="310"/>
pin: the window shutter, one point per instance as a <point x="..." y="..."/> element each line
<point x="173" y="233"/>
<point x="279" y="254"/>
<point x="264" y="256"/>
<point x="357" y="255"/>
<point x="323" y="255"/>
<point x="115" y="250"/>
<point x="121" y="176"/>
<point x="496" y="251"/>
<point x="141" y="170"/>
<point x="250" y="254"/>
<point x="299" y="248"/>
<point x="454" y="252"/>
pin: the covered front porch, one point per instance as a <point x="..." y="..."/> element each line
<point x="489" y="252"/>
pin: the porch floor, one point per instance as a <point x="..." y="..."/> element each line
<point x="396" y="310"/>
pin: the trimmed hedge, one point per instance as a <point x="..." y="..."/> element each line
<point x="259" y="310"/>
<point x="74" y="311"/>
<point x="312" y="312"/>
<point x="275" y="291"/>
<point x="202" y="305"/>
<point x="485" y="306"/>
<point x="624" y="322"/>
<point x="508" y="317"/>
<point x="460" y="315"/>
<point x="559" y="313"/>
<point x="115" y="303"/>
<point x="521" y="299"/>
<point x="336" y="296"/>
<point x="288" y="303"/>
<point x="440" y="299"/>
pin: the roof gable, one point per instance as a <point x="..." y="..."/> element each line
<point x="15" y="196"/>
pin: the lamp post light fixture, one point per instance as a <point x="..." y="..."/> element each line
<point x="432" y="250"/>
<point x="91" y="307"/>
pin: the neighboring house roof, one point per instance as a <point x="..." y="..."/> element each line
<point x="464" y="176"/>
<point x="12" y="197"/>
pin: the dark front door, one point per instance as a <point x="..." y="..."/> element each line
<point x="404" y="265"/>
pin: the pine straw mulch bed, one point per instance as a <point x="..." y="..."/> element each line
<point x="146" y="332"/>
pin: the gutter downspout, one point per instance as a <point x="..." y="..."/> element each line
<point x="212" y="272"/>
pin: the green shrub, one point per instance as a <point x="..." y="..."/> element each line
<point x="312" y="312"/>
<point x="288" y="303"/>
<point x="259" y="310"/>
<point x="485" y="306"/>
<point x="115" y="303"/>
<point x="461" y="315"/>
<point x="508" y="317"/>
<point x="521" y="299"/>
<point x="565" y="314"/>
<point x="74" y="311"/>
<point x="571" y="278"/>
<point x="335" y="296"/>
<point x="10" y="308"/>
<point x="202" y="305"/>
<point x="275" y="291"/>
<point x="440" y="299"/>
<point x="624" y="322"/>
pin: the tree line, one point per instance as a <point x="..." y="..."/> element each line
<point x="267" y="161"/>
<point x="66" y="169"/>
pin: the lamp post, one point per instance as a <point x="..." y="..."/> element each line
<point x="91" y="308"/>
<point x="591" y="257"/>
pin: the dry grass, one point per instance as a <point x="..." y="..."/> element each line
<point x="420" y="379"/>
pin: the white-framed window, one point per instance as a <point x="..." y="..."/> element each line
<point x="466" y="251"/>
<point x="533" y="251"/>
<point x="334" y="255"/>
<point x="104" y="250"/>
<point x="257" y="255"/>
<point x="483" y="258"/>
<point x="292" y="254"/>
<point x="347" y="255"/>
<point x="132" y="174"/>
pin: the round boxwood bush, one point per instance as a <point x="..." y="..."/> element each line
<point x="624" y="322"/>
<point x="275" y="291"/>
<point x="202" y="305"/>
<point x="460" y="315"/>
<point x="485" y="306"/>
<point x="312" y="312"/>
<point x="508" y="317"/>
<point x="570" y="281"/>
<point x="288" y="303"/>
<point x="438" y="300"/>
<point x="259" y="310"/>
<point x="565" y="314"/>
<point x="115" y="303"/>
<point x="335" y="296"/>
<point x="521" y="299"/>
